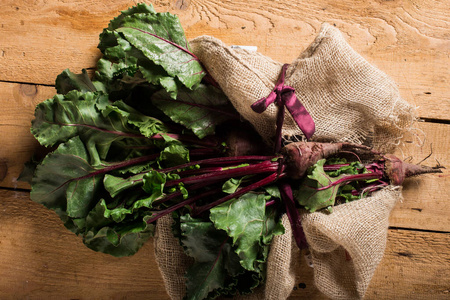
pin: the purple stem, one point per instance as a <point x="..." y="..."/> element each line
<point x="293" y="215"/>
<point x="279" y="129"/>
<point x="219" y="160"/>
<point x="263" y="167"/>
<point x="270" y="202"/>
<point x="182" y="204"/>
<point x="263" y="182"/>
<point x="365" y="176"/>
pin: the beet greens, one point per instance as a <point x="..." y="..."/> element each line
<point x="149" y="135"/>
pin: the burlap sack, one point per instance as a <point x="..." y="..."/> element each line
<point x="280" y="265"/>
<point x="349" y="99"/>
<point x="173" y="264"/>
<point x="170" y="257"/>
<point x="347" y="245"/>
<point x="244" y="76"/>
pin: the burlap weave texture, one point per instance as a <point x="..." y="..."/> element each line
<point x="348" y="244"/>
<point x="349" y="99"/>
<point x="170" y="257"/>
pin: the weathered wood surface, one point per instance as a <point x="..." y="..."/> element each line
<point x="409" y="40"/>
<point x="17" y="143"/>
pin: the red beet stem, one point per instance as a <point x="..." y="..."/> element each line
<point x="262" y="167"/>
<point x="263" y="182"/>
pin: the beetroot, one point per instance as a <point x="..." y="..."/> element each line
<point x="397" y="170"/>
<point x="299" y="156"/>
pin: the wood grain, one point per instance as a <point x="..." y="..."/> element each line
<point x="414" y="266"/>
<point x="407" y="40"/>
<point x="425" y="202"/>
<point x="18" y="102"/>
<point x="43" y="260"/>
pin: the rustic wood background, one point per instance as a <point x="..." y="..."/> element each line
<point x="409" y="40"/>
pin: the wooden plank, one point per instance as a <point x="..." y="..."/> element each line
<point x="425" y="204"/>
<point x="43" y="260"/>
<point x="408" y="40"/>
<point x="39" y="40"/>
<point x="17" y="143"/>
<point x="415" y="266"/>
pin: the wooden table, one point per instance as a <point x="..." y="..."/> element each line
<point x="409" y="40"/>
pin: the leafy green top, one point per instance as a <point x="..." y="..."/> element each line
<point x="122" y="145"/>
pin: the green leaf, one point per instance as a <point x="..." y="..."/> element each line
<point x="273" y="191"/>
<point x="156" y="75"/>
<point x="68" y="81"/>
<point x="96" y="219"/>
<point x="124" y="66"/>
<point x="353" y="168"/>
<point x="105" y="230"/>
<point x="63" y="116"/>
<point x="123" y="211"/>
<point x="161" y="39"/>
<point x="309" y="195"/>
<point x="215" y="261"/>
<point x="144" y="44"/>
<point x="29" y="168"/>
<point x="57" y="183"/>
<point x="174" y="154"/>
<point x="231" y="185"/>
<point x="97" y="122"/>
<point x="114" y="184"/>
<point x="272" y="227"/>
<point x="110" y="77"/>
<point x="137" y="9"/>
<point x="147" y="126"/>
<point x="121" y="241"/>
<point x="154" y="183"/>
<point x="200" y="110"/>
<point x="245" y="220"/>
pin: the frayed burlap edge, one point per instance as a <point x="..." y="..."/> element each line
<point x="348" y="244"/>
